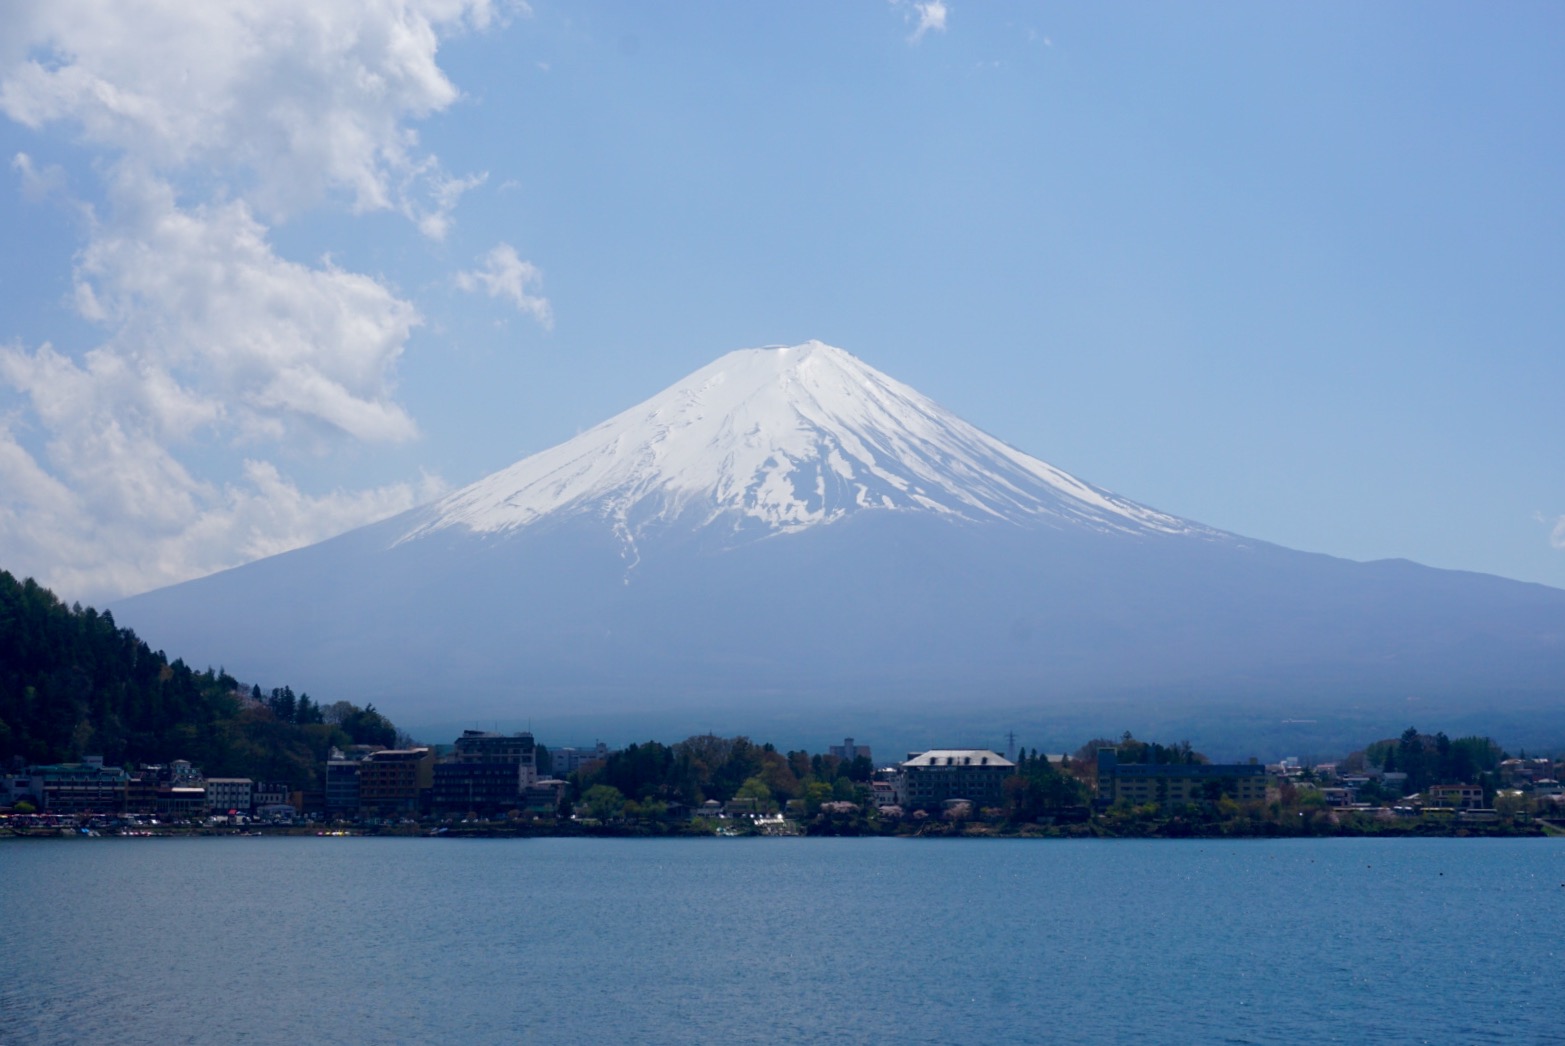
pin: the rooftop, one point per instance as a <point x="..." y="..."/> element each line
<point x="954" y="757"/>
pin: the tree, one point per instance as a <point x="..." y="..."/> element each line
<point x="334" y="713"/>
<point x="1037" y="788"/>
<point x="605" y="802"/>
<point x="816" y="793"/>
<point x="757" y="789"/>
<point x="73" y="683"/>
<point x="365" y="726"/>
<point x="282" y="704"/>
<point x="1511" y="805"/>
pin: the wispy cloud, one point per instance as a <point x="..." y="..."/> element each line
<point x="931" y="16"/>
<point x="38" y="184"/>
<point x="1557" y="536"/>
<point x="503" y="274"/>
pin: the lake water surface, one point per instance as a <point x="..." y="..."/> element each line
<point x="304" y="940"/>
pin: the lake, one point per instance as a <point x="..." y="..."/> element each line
<point x="350" y="940"/>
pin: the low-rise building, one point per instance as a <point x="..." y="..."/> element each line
<point x="73" y="788"/>
<point x="16" y="788"/>
<point x="544" y="796"/>
<point x="925" y="780"/>
<point x="225" y="795"/>
<point x="1339" y="797"/>
<point x="1171" y="785"/>
<point x="270" y="793"/>
<point x="182" y="800"/>
<point x="141" y="791"/>
<point x="1456" y="796"/>
<point x="566" y="761"/>
<point x="745" y="807"/>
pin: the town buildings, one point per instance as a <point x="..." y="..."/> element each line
<point x="848" y="751"/>
<point x="1171" y="785"/>
<point x="566" y="761"/>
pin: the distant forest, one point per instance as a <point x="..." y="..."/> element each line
<point x="72" y="683"/>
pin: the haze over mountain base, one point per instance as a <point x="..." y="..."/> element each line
<point x="792" y="545"/>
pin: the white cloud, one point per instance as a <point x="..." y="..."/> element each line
<point x="504" y="275"/>
<point x="38" y="184"/>
<point x="931" y="18"/>
<point x="1557" y="537"/>
<point x="63" y="533"/>
<point x="295" y="97"/>
<point x="445" y="194"/>
<point x="211" y="120"/>
<point x="200" y="293"/>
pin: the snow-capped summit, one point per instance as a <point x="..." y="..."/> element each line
<point x="785" y="438"/>
<point x="790" y="540"/>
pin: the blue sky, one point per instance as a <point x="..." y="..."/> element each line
<point x="276" y="270"/>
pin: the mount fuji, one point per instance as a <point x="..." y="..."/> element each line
<point x="790" y="542"/>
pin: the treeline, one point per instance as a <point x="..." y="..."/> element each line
<point x="73" y="683"/>
<point x="362" y="726"/>
<point x="644" y="781"/>
<point x="1437" y="759"/>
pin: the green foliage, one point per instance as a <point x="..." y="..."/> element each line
<point x="816" y="793"/>
<point x="605" y="802"/>
<point x="644" y="772"/>
<point x="1038" y="789"/>
<point x="1430" y="760"/>
<point x="1132" y="751"/>
<point x="72" y="684"/>
<point x="365" y="726"/>
<point x="695" y="770"/>
<point x="760" y="791"/>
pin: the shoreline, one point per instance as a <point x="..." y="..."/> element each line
<point x="1537" y="829"/>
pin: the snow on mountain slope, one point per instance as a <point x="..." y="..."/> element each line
<point x="512" y="597"/>
<point x="783" y="439"/>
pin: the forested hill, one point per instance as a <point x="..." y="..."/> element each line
<point x="72" y="683"/>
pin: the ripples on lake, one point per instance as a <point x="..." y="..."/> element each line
<point x="734" y="941"/>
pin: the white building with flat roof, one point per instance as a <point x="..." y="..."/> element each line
<point x="229" y="793"/>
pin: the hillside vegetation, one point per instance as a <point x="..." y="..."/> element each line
<point x="73" y="683"/>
